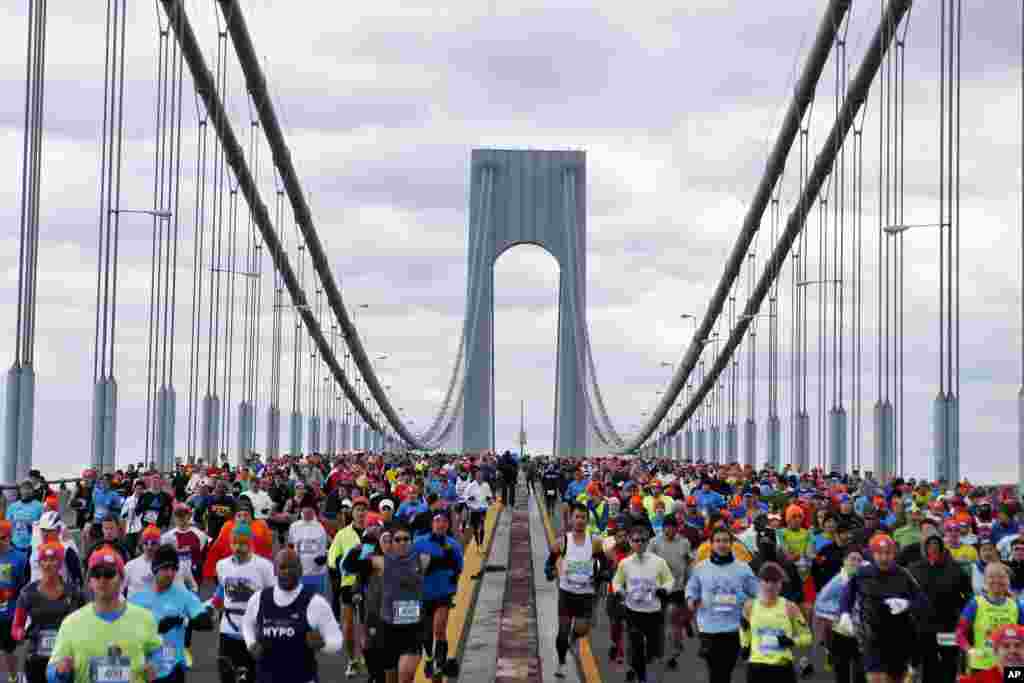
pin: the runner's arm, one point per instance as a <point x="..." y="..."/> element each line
<point x="252" y="610"/>
<point x="322" y="619"/>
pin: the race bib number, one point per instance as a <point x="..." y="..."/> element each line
<point x="22" y="528"/>
<point x="111" y="670"/>
<point x="309" y="547"/>
<point x="945" y="639"/>
<point x="770" y="643"/>
<point x="641" y="592"/>
<point x="47" y="641"/>
<point x="579" y="573"/>
<point x="724" y="602"/>
<point x="550" y="492"/>
<point x="406" y="612"/>
<point x="150" y="517"/>
<point x="101" y="513"/>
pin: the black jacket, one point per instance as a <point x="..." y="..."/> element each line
<point x="793" y="588"/>
<point x="827" y="564"/>
<point x="947" y="588"/>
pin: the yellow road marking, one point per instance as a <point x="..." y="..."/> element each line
<point x="472" y="564"/>
<point x="588" y="664"/>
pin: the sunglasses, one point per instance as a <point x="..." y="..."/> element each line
<point x="102" y="573"/>
<point x="401" y="539"/>
<point x="638" y="539"/>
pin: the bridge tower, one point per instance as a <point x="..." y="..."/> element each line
<point x="526" y="197"/>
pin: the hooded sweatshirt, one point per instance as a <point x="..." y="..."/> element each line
<point x="945" y="586"/>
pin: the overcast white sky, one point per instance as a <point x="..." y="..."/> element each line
<point x="383" y="102"/>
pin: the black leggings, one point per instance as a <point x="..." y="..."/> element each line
<point x="35" y="669"/>
<point x="771" y="673"/>
<point x="646" y="639"/>
<point x="720" y="651"/>
<point x="476" y="520"/>
<point x="846" y="659"/>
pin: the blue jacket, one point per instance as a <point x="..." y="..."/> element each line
<point x="829" y="600"/>
<point x="443" y="583"/>
<point x="722" y="590"/>
<point x="105" y="503"/>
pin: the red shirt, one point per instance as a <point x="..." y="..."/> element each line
<point x="993" y="675"/>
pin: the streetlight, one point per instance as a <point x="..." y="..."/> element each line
<point x="163" y="215"/>
<point x="900" y="228"/>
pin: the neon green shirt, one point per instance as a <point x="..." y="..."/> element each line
<point x="85" y="637"/>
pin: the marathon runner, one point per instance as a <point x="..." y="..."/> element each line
<point x="14" y="575"/>
<point x="51" y="530"/>
<point x="108" y="640"/>
<point x="140" y="573"/>
<point x="309" y="539"/>
<point x="439" y="590"/>
<point x="676" y="551"/>
<point x="23" y="514"/>
<point x="42" y="606"/>
<point x="173" y="607"/>
<point x="578" y="560"/>
<point x="771" y="627"/>
<point x="239" y="577"/>
<point x="643" y="580"/>
<point x="346" y="539"/>
<point x="286" y="625"/>
<point x="1008" y="647"/>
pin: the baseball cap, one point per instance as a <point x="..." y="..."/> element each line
<point x="387" y="503"/>
<point x="106" y="556"/>
<point x="360" y="500"/>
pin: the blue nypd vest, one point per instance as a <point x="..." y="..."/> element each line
<point x="282" y="633"/>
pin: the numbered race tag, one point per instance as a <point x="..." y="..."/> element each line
<point x="579" y="573"/>
<point x="111" y="670"/>
<point x="150" y="517"/>
<point x="47" y="641"/>
<point x="641" y="592"/>
<point x="945" y="639"/>
<point x="550" y="492"/>
<point x="770" y="643"/>
<point x="724" y="602"/>
<point x="309" y="547"/>
<point x="406" y="612"/>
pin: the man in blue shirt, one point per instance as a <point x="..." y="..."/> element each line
<point x="23" y="514"/>
<point x="173" y="607"/>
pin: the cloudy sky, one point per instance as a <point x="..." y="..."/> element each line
<point x="382" y="104"/>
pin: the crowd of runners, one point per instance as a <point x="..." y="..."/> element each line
<point x="363" y="553"/>
<point x="902" y="580"/>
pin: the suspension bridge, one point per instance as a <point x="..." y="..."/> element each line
<point x="797" y="358"/>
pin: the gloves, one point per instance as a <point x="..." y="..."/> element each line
<point x="744" y="652"/>
<point x="897" y="605"/>
<point x="169" y="623"/>
<point x="661" y="594"/>
<point x="845" y="625"/>
<point x="744" y="623"/>
<point x="549" y="573"/>
<point x="320" y="560"/>
<point x="785" y="641"/>
<point x="314" y="640"/>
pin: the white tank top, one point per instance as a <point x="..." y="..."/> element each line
<point x="577" y="575"/>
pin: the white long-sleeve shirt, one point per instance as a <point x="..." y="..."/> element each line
<point x="318" y="615"/>
<point x="310" y="541"/>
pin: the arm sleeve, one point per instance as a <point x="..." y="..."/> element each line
<point x="252" y="609"/>
<point x="20" y="617"/>
<point x="849" y="596"/>
<point x="965" y="626"/>
<point x="322" y="619"/>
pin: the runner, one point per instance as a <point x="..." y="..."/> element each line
<point x="401" y="573"/>
<point x="644" y="579"/>
<point x="346" y="539"/>
<point x="285" y="626"/>
<point x="675" y="550"/>
<point x="884" y="597"/>
<point x="479" y="497"/>
<point x="439" y="590"/>
<point x="190" y="541"/>
<point x="239" y="577"/>
<point x="1008" y="646"/>
<point x="14" y="575"/>
<point x="51" y="530"/>
<point x="173" y="606"/>
<point x="716" y="591"/>
<point x="42" y="606"/>
<point x="772" y="626"/>
<point x="139" y="574"/>
<point x="108" y="640"/>
<point x="578" y="560"/>
<point x="987" y="611"/>
<point x="309" y="538"/>
<point x="23" y="514"/>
